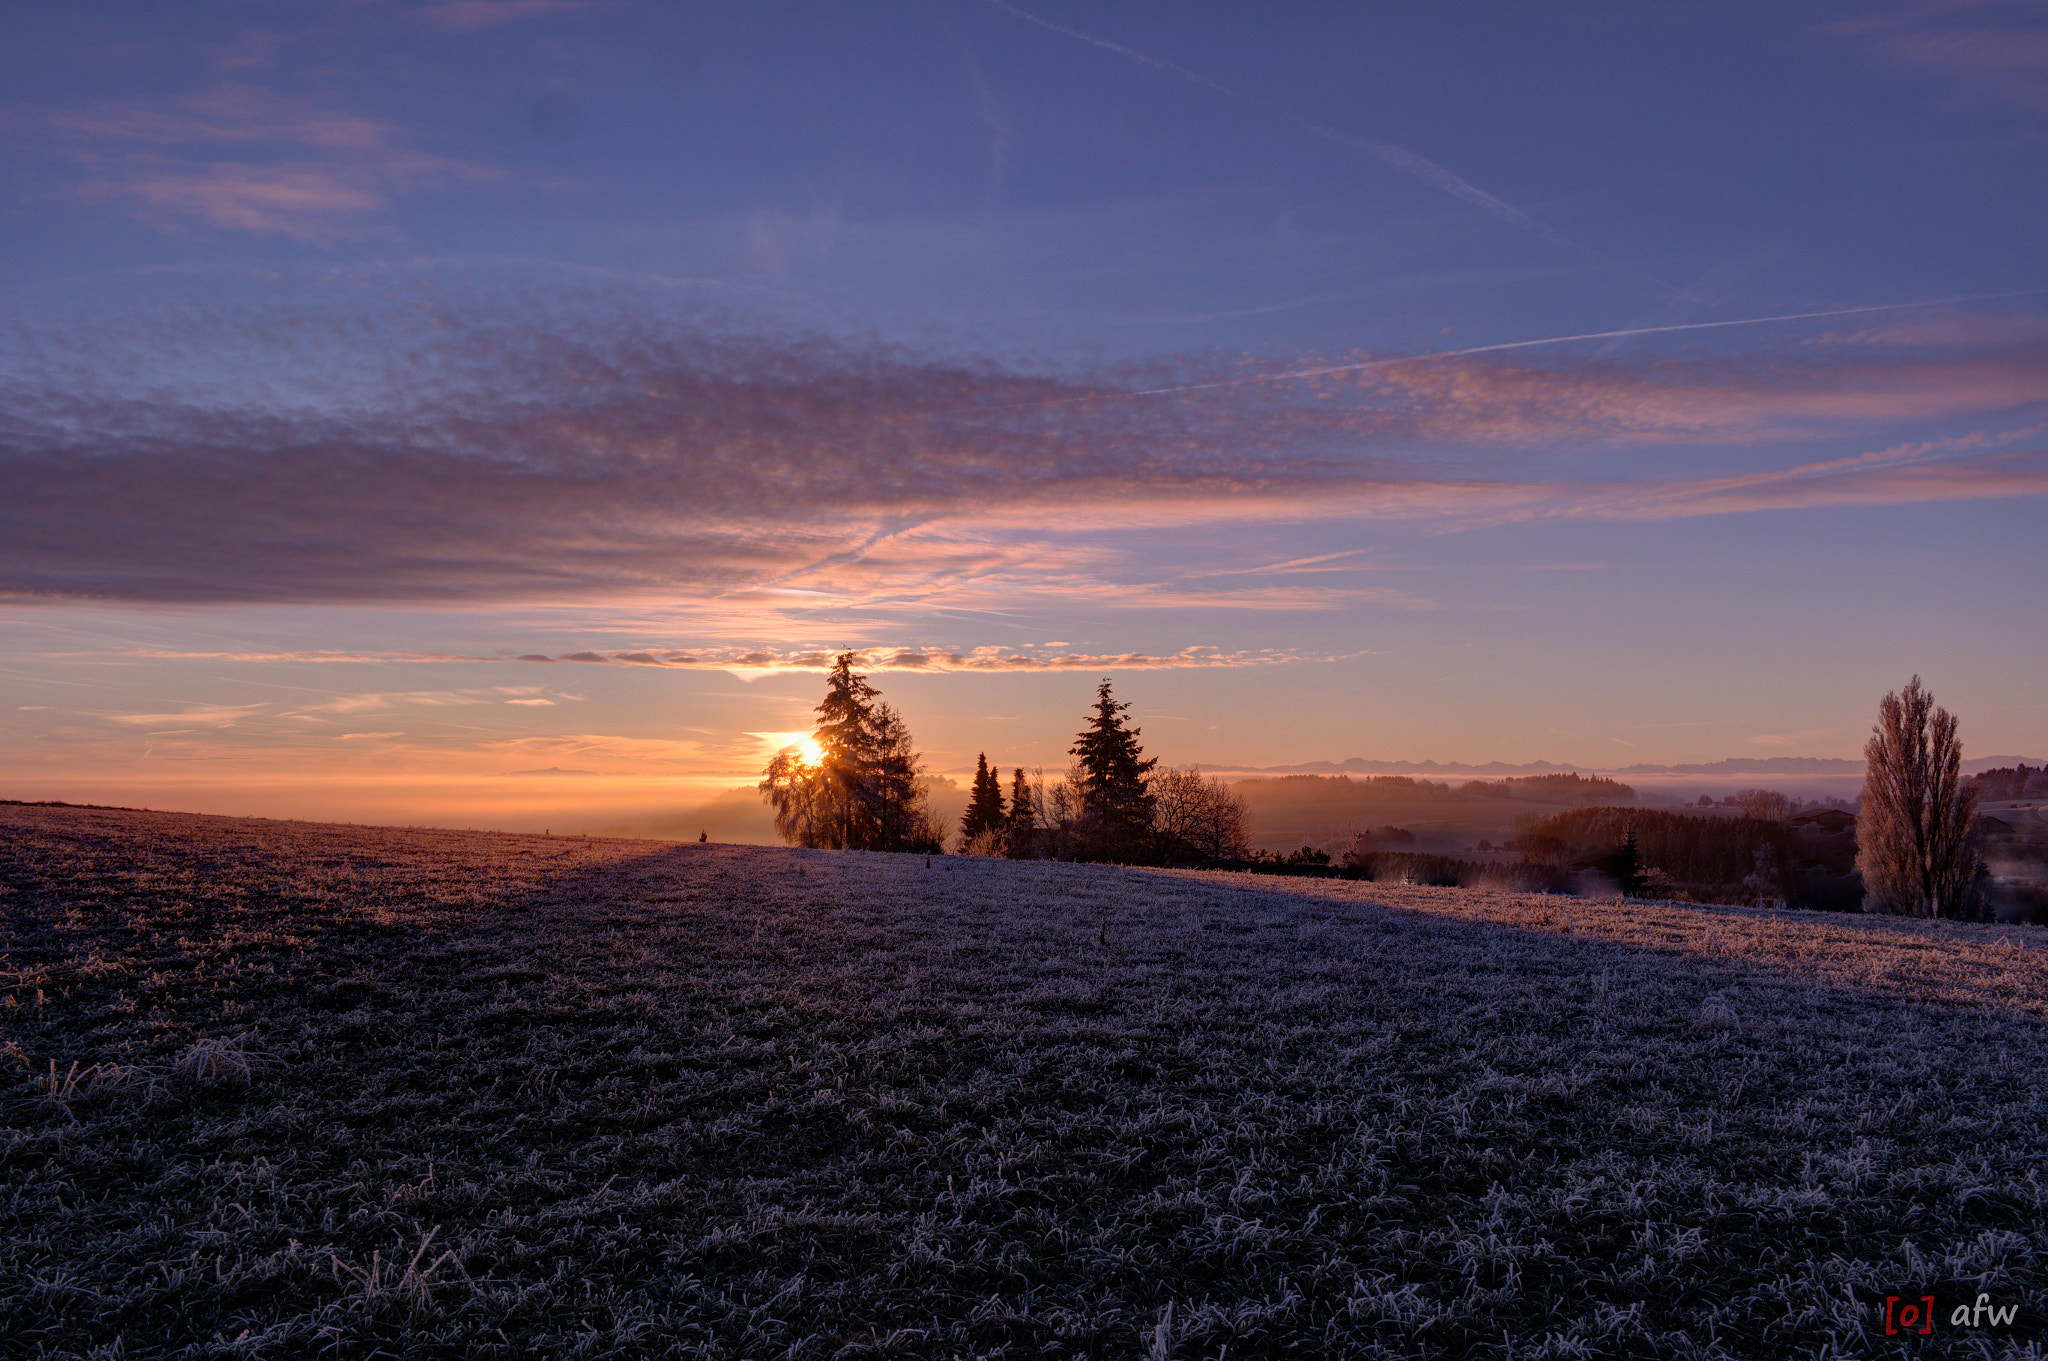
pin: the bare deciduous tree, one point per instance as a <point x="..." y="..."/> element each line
<point x="1913" y="831"/>
<point x="1768" y="804"/>
<point x="1060" y="813"/>
<point x="1197" y="818"/>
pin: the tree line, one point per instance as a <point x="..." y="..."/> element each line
<point x="1914" y="846"/>
<point x="862" y="791"/>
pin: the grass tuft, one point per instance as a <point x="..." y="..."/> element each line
<point x="213" y="1060"/>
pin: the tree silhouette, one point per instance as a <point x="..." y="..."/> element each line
<point x="1626" y="865"/>
<point x="1115" y="820"/>
<point x="896" y="802"/>
<point x="845" y="738"/>
<point x="797" y="791"/>
<point x="1196" y="817"/>
<point x="1021" y="833"/>
<point x="863" y="792"/>
<point x="985" y="804"/>
<point x="1913" y="829"/>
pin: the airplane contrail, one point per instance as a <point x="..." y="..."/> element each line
<point x="1400" y="158"/>
<point x="1362" y="365"/>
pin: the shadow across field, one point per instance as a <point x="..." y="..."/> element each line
<point x="494" y="1095"/>
<point x="1997" y="969"/>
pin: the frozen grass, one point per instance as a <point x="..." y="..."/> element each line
<point x="280" y="1090"/>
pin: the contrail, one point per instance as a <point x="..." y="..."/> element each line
<point x="1363" y="365"/>
<point x="1400" y="158"/>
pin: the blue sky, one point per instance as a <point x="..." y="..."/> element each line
<point x="1588" y="383"/>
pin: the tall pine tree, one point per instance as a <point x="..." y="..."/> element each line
<point x="1627" y="865"/>
<point x="863" y="791"/>
<point x="1023" y="829"/>
<point x="985" y="804"/>
<point x="845" y="738"/>
<point x="1116" y="807"/>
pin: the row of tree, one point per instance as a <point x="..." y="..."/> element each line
<point x="861" y="790"/>
<point x="1914" y="848"/>
<point x="2011" y="782"/>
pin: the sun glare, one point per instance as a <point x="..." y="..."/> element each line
<point x="811" y="753"/>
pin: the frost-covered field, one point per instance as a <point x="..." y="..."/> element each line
<point x="275" y="1089"/>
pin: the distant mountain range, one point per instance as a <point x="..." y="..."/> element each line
<point x="1735" y="767"/>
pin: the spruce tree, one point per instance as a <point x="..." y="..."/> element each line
<point x="1116" y="807"/>
<point x="1628" y="865"/>
<point x="845" y="737"/>
<point x="863" y="792"/>
<point x="1023" y="821"/>
<point x="895" y="803"/>
<point x="985" y="804"/>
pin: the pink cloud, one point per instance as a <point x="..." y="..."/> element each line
<point x="1980" y="478"/>
<point x="227" y="113"/>
<point x="1955" y="331"/>
<point x="1995" y="49"/>
<point x="1722" y="400"/>
<point x="297" y="170"/>
<point x="767" y="476"/>
<point x="2011" y="65"/>
<point x="307" y="202"/>
<point x="874" y="658"/>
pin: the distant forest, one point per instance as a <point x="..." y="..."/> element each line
<point x="2008" y="783"/>
<point x="1571" y="788"/>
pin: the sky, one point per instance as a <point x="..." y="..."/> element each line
<point x="498" y="412"/>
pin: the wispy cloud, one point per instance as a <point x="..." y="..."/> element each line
<point x="984" y="659"/>
<point x="245" y="158"/>
<point x="198" y="716"/>
<point x="735" y="659"/>
<point x="384" y="702"/>
<point x="770" y="474"/>
<point x="1321" y="562"/>
<point x="1997" y="48"/>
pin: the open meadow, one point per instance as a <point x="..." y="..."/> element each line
<point x="280" y="1090"/>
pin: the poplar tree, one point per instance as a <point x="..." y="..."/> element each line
<point x="1116" y="807"/>
<point x="1913" y="827"/>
